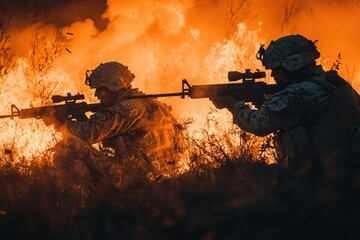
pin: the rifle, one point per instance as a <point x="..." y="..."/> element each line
<point x="70" y="110"/>
<point x="248" y="90"/>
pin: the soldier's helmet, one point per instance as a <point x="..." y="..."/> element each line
<point x="290" y="52"/>
<point x="111" y="75"/>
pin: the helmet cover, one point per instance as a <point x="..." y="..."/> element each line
<point x="290" y="52"/>
<point x="111" y="75"/>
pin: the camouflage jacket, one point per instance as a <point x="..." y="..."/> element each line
<point x="134" y="128"/>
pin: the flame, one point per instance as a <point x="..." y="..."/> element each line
<point x="166" y="41"/>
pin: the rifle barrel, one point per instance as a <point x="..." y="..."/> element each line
<point x="7" y="116"/>
<point x="159" y="95"/>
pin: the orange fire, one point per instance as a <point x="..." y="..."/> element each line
<point x="164" y="42"/>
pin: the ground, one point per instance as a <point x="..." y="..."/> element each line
<point x="239" y="200"/>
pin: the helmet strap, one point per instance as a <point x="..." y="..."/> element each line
<point x="261" y="52"/>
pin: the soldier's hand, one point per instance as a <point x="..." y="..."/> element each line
<point x="54" y="118"/>
<point x="227" y="102"/>
<point x="49" y="120"/>
<point x="239" y="106"/>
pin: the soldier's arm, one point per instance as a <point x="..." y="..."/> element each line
<point x="101" y="125"/>
<point x="258" y="122"/>
<point x="283" y="110"/>
<point x="287" y="109"/>
<point x="109" y="122"/>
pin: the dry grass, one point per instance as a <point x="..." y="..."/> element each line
<point x="225" y="195"/>
<point x="214" y="144"/>
<point x="42" y="58"/>
<point x="240" y="199"/>
<point x="6" y="53"/>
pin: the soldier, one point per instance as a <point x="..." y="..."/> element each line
<point x="139" y="133"/>
<point x="312" y="117"/>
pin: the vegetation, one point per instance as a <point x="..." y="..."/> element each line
<point x="6" y="53"/>
<point x="240" y="199"/>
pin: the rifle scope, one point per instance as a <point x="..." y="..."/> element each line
<point x="234" y="75"/>
<point x="67" y="98"/>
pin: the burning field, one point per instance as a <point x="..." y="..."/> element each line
<point x="224" y="185"/>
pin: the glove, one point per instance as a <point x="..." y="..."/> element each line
<point x="227" y="102"/>
<point x="239" y="106"/>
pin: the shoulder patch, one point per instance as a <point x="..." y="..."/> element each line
<point x="101" y="116"/>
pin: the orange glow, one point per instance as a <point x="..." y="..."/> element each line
<point x="166" y="41"/>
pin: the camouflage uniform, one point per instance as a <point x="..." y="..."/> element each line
<point x="313" y="116"/>
<point x="140" y="132"/>
<point x="294" y="114"/>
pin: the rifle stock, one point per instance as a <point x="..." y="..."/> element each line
<point x="240" y="91"/>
